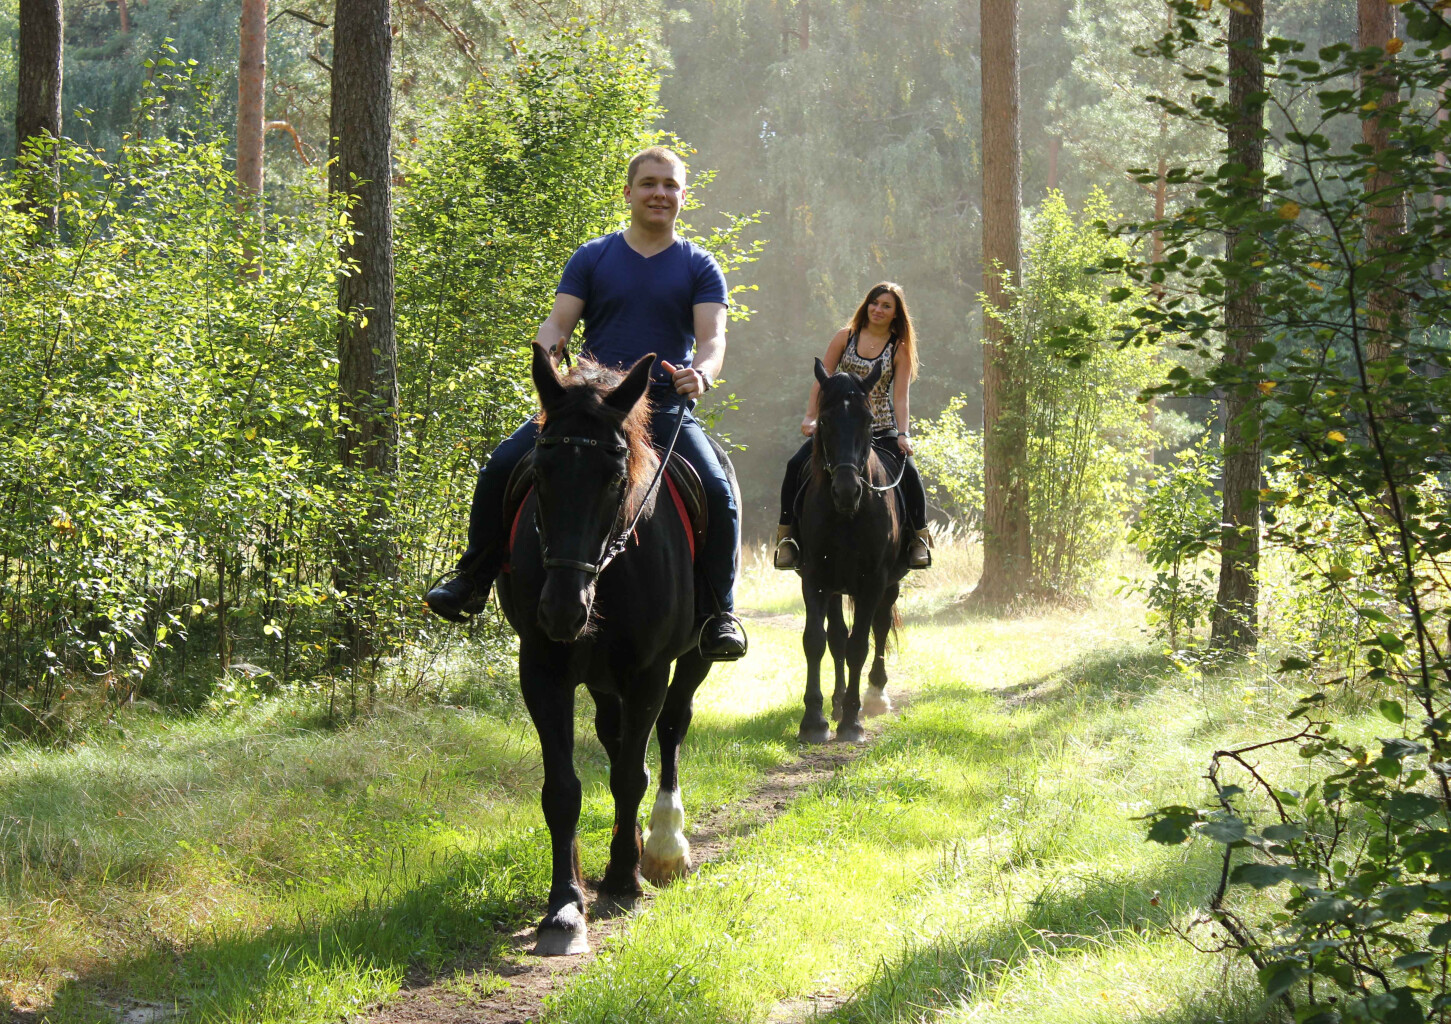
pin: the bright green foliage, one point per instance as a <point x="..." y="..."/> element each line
<point x="1088" y="436"/>
<point x="1178" y="522"/>
<point x="949" y="457"/>
<point x="1352" y="390"/>
<point x="168" y="479"/>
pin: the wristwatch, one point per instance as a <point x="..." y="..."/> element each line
<point x="706" y="378"/>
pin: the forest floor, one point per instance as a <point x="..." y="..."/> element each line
<point x="978" y="858"/>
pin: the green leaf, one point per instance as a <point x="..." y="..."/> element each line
<point x="1392" y="711"/>
<point x="1262" y="876"/>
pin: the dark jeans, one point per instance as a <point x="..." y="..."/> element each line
<point x="913" y="493"/>
<point x="487" y="529"/>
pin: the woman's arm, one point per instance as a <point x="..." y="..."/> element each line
<point x="901" y="384"/>
<point x="830" y="361"/>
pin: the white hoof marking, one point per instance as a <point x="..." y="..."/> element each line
<point x="667" y="851"/>
<point x="876" y="702"/>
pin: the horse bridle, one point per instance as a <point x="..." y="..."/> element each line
<point x="615" y="542"/>
<point x="861" y="470"/>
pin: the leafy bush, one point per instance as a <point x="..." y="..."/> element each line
<point x="1177" y="524"/>
<point x="949" y="457"/>
<point x="1351" y="386"/>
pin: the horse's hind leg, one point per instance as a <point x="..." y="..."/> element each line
<point x="814" y="726"/>
<point x="876" y="702"/>
<point x="551" y="705"/>
<point x="629" y="778"/>
<point x="667" y="851"/>
<point x="836" y="640"/>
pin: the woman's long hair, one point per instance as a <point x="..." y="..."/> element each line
<point x="901" y="324"/>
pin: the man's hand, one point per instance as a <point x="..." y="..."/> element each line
<point x="688" y="381"/>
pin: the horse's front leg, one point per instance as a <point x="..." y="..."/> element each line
<point x="876" y="702"/>
<point x="639" y="707"/>
<point x="836" y="641"/>
<point x="814" y="726"/>
<point x="849" y="729"/>
<point x="667" y="851"/>
<point x="550" y="701"/>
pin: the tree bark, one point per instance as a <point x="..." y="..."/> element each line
<point x="37" y="100"/>
<point x="367" y="370"/>
<point x="1236" y="621"/>
<point x="1386" y="200"/>
<point x="251" y="90"/>
<point x="1006" y="562"/>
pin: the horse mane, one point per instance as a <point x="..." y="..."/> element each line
<point x="585" y="385"/>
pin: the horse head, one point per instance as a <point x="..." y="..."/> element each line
<point x="844" y="434"/>
<point x="589" y="460"/>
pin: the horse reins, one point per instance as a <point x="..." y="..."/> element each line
<point x="615" y="543"/>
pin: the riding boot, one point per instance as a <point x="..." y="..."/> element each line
<point x="722" y="638"/>
<point x="788" y="552"/>
<point x="919" y="552"/>
<point x="458" y="596"/>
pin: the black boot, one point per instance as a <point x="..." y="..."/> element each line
<point x="456" y="597"/>
<point x="788" y="552"/>
<point x="722" y="638"/>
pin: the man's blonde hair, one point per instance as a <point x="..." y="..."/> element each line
<point x="655" y="154"/>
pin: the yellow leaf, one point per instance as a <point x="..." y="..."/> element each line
<point x="1335" y="435"/>
<point x="251" y="433"/>
<point x="1394" y="46"/>
<point x="1266" y="386"/>
<point x="1289" y="210"/>
<point x="1370" y="105"/>
<point x="1317" y="287"/>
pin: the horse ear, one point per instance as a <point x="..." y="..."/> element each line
<point x="630" y="390"/>
<point x="870" y="380"/>
<point x="821" y="375"/>
<point x="546" y="381"/>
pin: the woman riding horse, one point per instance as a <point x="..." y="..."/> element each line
<point x="879" y="337"/>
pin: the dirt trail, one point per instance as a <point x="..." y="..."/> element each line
<point x="510" y="986"/>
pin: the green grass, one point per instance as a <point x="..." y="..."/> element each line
<point x="978" y="861"/>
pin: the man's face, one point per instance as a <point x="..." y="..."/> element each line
<point x="655" y="194"/>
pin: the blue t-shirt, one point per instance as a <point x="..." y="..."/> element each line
<point x="634" y="305"/>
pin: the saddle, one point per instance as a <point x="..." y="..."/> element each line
<point x="679" y="485"/>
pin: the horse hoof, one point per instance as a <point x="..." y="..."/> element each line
<point x="850" y="734"/>
<point x="562" y="934"/>
<point x="664" y="870"/>
<point x="814" y="733"/>
<point x="876" y="702"/>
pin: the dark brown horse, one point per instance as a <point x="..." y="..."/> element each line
<point x="601" y="591"/>
<point x="852" y="545"/>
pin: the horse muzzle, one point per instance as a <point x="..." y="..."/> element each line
<point x="846" y="490"/>
<point x="565" y="604"/>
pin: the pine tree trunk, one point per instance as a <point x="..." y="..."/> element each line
<point x="1235" y="621"/>
<point x="1006" y="564"/>
<point x="251" y="88"/>
<point x="367" y="349"/>
<point x="37" y="97"/>
<point x="1386" y="216"/>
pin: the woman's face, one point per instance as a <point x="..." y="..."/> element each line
<point x="882" y="310"/>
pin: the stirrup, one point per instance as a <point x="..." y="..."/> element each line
<point x="700" y="637"/>
<point x="784" y="536"/>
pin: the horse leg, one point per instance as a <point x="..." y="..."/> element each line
<point x="876" y="702"/>
<point x="551" y="705"/>
<point x="814" y="726"/>
<point x="849" y="729"/>
<point x="629" y="777"/>
<point x="667" y="851"/>
<point x="836" y="641"/>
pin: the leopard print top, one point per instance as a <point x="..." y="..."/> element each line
<point x="884" y="415"/>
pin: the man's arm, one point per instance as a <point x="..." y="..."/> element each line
<point x="710" y="346"/>
<point x="554" y="332"/>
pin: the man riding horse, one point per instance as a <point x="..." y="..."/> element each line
<point x="640" y="290"/>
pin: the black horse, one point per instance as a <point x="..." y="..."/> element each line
<point x="597" y="602"/>
<point x="852" y="544"/>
